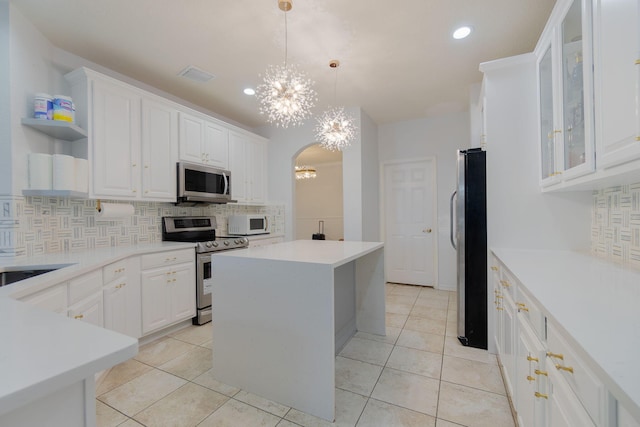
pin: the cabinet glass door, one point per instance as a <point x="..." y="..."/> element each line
<point x="547" y="135"/>
<point x="573" y="109"/>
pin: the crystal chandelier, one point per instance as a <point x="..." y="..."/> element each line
<point x="286" y="95"/>
<point x="305" y="172"/>
<point x="335" y="129"/>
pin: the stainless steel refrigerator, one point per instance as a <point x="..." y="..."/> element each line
<point x="469" y="238"/>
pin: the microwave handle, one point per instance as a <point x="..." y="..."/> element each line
<point x="266" y="223"/>
<point x="226" y="183"/>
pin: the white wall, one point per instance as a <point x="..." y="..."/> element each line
<point x="5" y="100"/>
<point x="285" y="145"/>
<point x="370" y="179"/>
<point x="519" y="214"/>
<point x="437" y="137"/>
<point x="320" y="198"/>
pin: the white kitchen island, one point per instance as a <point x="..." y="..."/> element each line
<point x="282" y="311"/>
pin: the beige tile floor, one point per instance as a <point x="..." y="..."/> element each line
<point x="418" y="375"/>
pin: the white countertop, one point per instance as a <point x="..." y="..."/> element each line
<point x="43" y="352"/>
<point x="597" y="302"/>
<point x="75" y="263"/>
<point x="329" y="252"/>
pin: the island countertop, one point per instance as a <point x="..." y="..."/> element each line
<point x="328" y="252"/>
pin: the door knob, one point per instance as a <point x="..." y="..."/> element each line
<point x="426" y="230"/>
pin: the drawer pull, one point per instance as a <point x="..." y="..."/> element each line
<point x="523" y="308"/>
<point x="539" y="372"/>
<point x="530" y="378"/>
<point x="564" y="368"/>
<point x="499" y="296"/>
<point x="544" y="396"/>
<point x="532" y="359"/>
<point x="494" y="268"/>
<point x="555" y="355"/>
<point x="78" y="316"/>
<point x="505" y="283"/>
<point x="499" y="308"/>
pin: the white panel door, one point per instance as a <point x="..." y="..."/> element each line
<point x="116" y="141"/>
<point x="183" y="292"/>
<point x="191" y="138"/>
<point x="156" y="300"/>
<point x="159" y="150"/>
<point x="410" y="220"/>
<point x="216" y="145"/>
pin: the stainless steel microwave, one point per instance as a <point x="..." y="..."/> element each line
<point x="203" y="184"/>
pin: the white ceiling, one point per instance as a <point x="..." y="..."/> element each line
<point x="398" y="60"/>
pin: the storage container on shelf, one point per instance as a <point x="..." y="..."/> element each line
<point x="42" y="106"/>
<point x="63" y="108"/>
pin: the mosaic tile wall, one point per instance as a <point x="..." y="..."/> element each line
<point x="615" y="224"/>
<point x="41" y="225"/>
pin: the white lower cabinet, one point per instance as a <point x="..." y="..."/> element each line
<point x="51" y="299"/>
<point x="531" y="380"/>
<point x="168" y="292"/>
<point x="550" y="382"/>
<point x="89" y="310"/>
<point x="121" y="293"/>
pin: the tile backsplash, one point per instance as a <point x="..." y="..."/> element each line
<point x="615" y="224"/>
<point x="41" y="225"/>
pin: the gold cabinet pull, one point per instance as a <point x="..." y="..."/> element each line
<point x="78" y="316"/>
<point x="539" y="372"/>
<point x="499" y="308"/>
<point x="523" y="308"/>
<point x="637" y="138"/>
<point x="505" y="283"/>
<point x="541" y="395"/>
<point x="564" y="368"/>
<point x="555" y="355"/>
<point x="530" y="378"/>
<point x="532" y="359"/>
<point x="637" y="61"/>
<point x="494" y="268"/>
<point x="426" y="230"/>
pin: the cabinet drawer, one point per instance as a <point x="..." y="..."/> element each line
<point x="530" y="312"/>
<point x="162" y="259"/>
<point x="85" y="285"/>
<point x="114" y="271"/>
<point x="563" y="358"/>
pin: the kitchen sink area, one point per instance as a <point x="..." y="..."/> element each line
<point x="10" y="275"/>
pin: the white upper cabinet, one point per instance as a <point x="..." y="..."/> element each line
<point x="566" y="96"/>
<point x="248" y="165"/>
<point x="203" y="141"/>
<point x="617" y="85"/>
<point x="159" y="150"/>
<point x="132" y="135"/>
<point x="114" y="140"/>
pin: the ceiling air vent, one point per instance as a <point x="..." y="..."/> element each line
<point x="196" y="74"/>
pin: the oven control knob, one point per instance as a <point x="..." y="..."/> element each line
<point x="237" y="241"/>
<point x="226" y="243"/>
<point x="208" y="244"/>
<point x="215" y="244"/>
<point x="244" y="240"/>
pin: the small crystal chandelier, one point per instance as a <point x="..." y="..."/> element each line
<point x="286" y="95"/>
<point x="305" y="172"/>
<point x="335" y="129"/>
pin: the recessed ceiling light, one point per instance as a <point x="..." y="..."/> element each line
<point x="249" y="91"/>
<point x="461" y="32"/>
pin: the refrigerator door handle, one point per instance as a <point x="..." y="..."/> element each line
<point x="453" y="196"/>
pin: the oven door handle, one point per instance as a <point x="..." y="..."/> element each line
<point x="226" y="183"/>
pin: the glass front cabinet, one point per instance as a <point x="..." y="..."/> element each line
<point x="565" y="96"/>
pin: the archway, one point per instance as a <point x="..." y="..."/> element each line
<point x="318" y="198"/>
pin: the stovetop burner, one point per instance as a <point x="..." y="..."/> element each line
<point x="200" y="230"/>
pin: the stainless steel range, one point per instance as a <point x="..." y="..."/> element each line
<point x="201" y="230"/>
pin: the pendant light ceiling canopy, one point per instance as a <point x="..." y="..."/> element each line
<point x="286" y="94"/>
<point x="335" y="129"/>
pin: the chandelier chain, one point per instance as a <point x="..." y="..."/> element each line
<point x="286" y="40"/>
